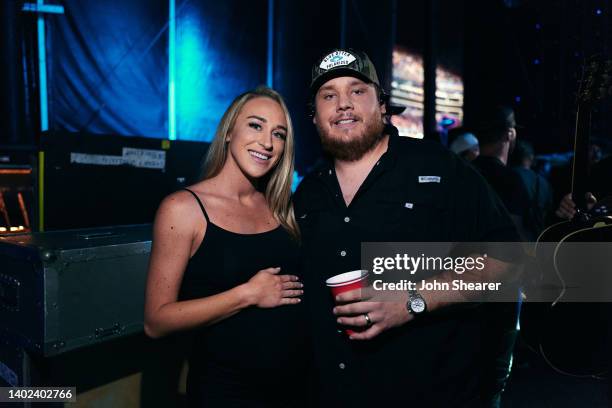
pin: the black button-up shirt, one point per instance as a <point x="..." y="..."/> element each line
<point x="418" y="191"/>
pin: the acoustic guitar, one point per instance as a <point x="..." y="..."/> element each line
<point x="571" y="327"/>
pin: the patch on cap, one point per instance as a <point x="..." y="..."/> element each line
<point x="337" y="59"/>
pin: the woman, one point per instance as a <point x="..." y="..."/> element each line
<point x="223" y="264"/>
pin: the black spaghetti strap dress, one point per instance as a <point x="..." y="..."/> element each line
<point x="258" y="357"/>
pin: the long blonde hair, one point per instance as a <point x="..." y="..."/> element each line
<point x="277" y="183"/>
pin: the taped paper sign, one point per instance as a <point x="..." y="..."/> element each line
<point x="97" y="159"/>
<point x="142" y="158"/>
<point x="148" y="159"/>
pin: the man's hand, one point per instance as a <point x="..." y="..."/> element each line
<point x="352" y="309"/>
<point x="567" y="207"/>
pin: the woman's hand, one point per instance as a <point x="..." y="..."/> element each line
<point x="268" y="289"/>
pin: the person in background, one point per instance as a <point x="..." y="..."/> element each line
<point x="495" y="128"/>
<point x="600" y="174"/>
<point x="539" y="190"/>
<point x="561" y="181"/>
<point x="224" y="265"/>
<point x="601" y="178"/>
<point x="464" y="143"/>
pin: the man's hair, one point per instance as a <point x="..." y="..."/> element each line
<point x="492" y="122"/>
<point x="491" y="136"/>
<point x="277" y="183"/>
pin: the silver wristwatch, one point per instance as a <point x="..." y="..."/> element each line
<point x="416" y="304"/>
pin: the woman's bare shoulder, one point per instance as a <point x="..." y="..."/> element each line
<point x="180" y="206"/>
<point x="208" y="191"/>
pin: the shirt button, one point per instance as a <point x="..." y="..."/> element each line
<point x="342" y="366"/>
<point x="342" y="253"/>
<point x="347" y="219"/>
<point x="330" y="172"/>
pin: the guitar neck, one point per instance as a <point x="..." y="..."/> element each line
<point x="580" y="163"/>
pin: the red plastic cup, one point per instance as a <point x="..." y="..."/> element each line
<point x="346" y="282"/>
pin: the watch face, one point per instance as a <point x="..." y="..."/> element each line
<point x="417" y="305"/>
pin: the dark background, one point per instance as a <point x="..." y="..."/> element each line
<point x="108" y="88"/>
<point x="108" y="61"/>
<point x="108" y="77"/>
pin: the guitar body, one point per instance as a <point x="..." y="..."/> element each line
<point x="571" y="328"/>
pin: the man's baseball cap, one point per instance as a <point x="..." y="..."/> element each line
<point x="348" y="62"/>
<point x="343" y="62"/>
<point x="463" y="142"/>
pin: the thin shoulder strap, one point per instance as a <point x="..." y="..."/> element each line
<point x="199" y="202"/>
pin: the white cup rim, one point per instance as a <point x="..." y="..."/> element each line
<point x="346" y="278"/>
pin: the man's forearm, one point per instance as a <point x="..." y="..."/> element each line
<point x="495" y="271"/>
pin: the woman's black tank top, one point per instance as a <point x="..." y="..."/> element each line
<point x="237" y="357"/>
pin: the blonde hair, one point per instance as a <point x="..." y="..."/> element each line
<point x="277" y="183"/>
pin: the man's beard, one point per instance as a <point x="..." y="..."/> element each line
<point x="355" y="148"/>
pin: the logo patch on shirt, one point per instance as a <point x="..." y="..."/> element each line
<point x="409" y="205"/>
<point x="429" y="179"/>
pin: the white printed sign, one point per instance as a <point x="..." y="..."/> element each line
<point x="142" y="158"/>
<point x="145" y="158"/>
<point x="97" y="159"/>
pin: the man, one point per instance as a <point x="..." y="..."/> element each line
<point x="496" y="131"/>
<point x="539" y="191"/>
<point x="377" y="186"/>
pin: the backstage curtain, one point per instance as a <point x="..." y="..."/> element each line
<point x="108" y="68"/>
<point x="108" y="64"/>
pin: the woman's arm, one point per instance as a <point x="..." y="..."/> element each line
<point x="174" y="233"/>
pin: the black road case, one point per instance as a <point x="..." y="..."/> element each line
<point x="64" y="290"/>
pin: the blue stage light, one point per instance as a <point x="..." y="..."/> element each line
<point x="296" y="180"/>
<point x="446" y="122"/>
<point x="211" y="67"/>
<point x="194" y="63"/>
<point x="172" y="71"/>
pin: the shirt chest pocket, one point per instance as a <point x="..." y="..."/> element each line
<point x="309" y="219"/>
<point x="418" y="215"/>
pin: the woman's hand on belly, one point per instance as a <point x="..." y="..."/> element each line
<point x="269" y="289"/>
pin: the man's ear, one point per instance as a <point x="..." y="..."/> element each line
<point x="383" y="108"/>
<point x="511" y="134"/>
